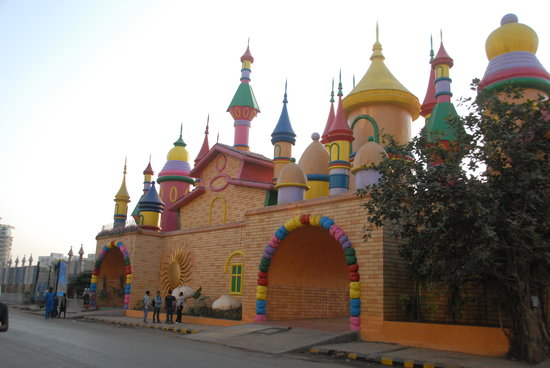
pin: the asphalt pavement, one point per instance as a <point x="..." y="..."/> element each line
<point x="278" y="339"/>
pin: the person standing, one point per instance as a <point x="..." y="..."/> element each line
<point x="146" y="306"/>
<point x="48" y="301"/>
<point x="86" y="299"/>
<point x="157" y="304"/>
<point x="179" y="307"/>
<point x="169" y="304"/>
<point x="63" y="306"/>
<point x="3" y="317"/>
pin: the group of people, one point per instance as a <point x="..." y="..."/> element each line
<point x="52" y="302"/>
<point x="170" y="304"/>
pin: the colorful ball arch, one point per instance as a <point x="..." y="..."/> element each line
<point x="127" y="267"/>
<point x="337" y="233"/>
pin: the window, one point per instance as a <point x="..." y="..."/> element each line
<point x="236" y="279"/>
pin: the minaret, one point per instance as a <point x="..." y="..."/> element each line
<point x="150" y="209"/>
<point x="17" y="261"/>
<point x="243" y="107"/>
<point x="282" y="138"/>
<point x="429" y="100"/>
<point x="205" y="146"/>
<point x="23" y="261"/>
<point x="30" y="260"/>
<point x="147" y="178"/>
<point x="439" y="127"/>
<point x="80" y="258"/>
<point x="70" y="254"/>
<point x="122" y="198"/>
<point x="339" y="140"/>
<point x="174" y="182"/>
<point x="330" y="118"/>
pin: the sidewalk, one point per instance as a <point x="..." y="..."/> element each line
<point x="275" y="339"/>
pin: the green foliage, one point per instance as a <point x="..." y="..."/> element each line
<point x="78" y="283"/>
<point x="482" y="213"/>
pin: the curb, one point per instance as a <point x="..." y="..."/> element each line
<point x="184" y="331"/>
<point x="380" y="359"/>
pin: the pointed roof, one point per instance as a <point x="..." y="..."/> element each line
<point x="283" y="131"/>
<point x="205" y="146"/>
<point x="244" y="97"/>
<point x="70" y="254"/>
<point x="81" y="251"/>
<point x="442" y="57"/>
<point x="247" y="55"/>
<point x="122" y="193"/>
<point x="429" y="100"/>
<point x="378" y="85"/>
<point x="339" y="129"/>
<point x="438" y="126"/>
<point x="148" y="170"/>
<point x="331" y="116"/>
<point x="151" y="201"/>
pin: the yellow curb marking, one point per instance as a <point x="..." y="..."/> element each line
<point x="352" y="356"/>
<point x="314" y="350"/>
<point x="409" y="363"/>
<point x="429" y="365"/>
<point x="387" y="361"/>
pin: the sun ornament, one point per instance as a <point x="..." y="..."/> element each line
<point x="177" y="271"/>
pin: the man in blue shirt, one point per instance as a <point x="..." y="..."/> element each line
<point x="49" y="299"/>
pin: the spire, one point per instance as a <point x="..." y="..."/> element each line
<point x="30" y="260"/>
<point x="330" y="118"/>
<point x="123" y="192"/>
<point x="180" y="141"/>
<point x="339" y="129"/>
<point x="429" y="100"/>
<point x="283" y="131"/>
<point x="148" y="170"/>
<point x="205" y="146"/>
<point x="70" y="254"/>
<point x="81" y="251"/>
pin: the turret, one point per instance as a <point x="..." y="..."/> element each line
<point x="147" y="178"/>
<point x="339" y="140"/>
<point x="174" y="182"/>
<point x="150" y="209"/>
<point x="429" y="100"/>
<point x="122" y="198"/>
<point x="439" y="127"/>
<point x="282" y="138"/>
<point x="380" y="104"/>
<point x="291" y="184"/>
<point x="511" y="50"/>
<point x="330" y="118"/>
<point x="314" y="162"/>
<point x="243" y="107"/>
<point x="368" y="156"/>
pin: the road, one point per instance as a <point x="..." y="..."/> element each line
<point x="33" y="342"/>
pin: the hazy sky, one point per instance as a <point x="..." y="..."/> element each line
<point x="83" y="84"/>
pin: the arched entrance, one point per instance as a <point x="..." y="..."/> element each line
<point x="113" y="270"/>
<point x="308" y="275"/>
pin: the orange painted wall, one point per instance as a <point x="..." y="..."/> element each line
<point x="466" y="339"/>
<point x="308" y="277"/>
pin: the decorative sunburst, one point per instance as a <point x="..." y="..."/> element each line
<point x="177" y="270"/>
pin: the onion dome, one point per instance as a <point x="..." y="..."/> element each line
<point x="179" y="152"/>
<point x="315" y="158"/>
<point x="378" y="85"/>
<point x="291" y="175"/>
<point x="511" y="52"/>
<point x="370" y="154"/>
<point x="205" y="145"/>
<point x="330" y="118"/>
<point x="283" y="131"/>
<point x="151" y="201"/>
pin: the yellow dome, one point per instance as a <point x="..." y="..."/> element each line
<point x="315" y="158"/>
<point x="511" y="36"/>
<point x="371" y="153"/>
<point x="178" y="153"/>
<point x="291" y="175"/>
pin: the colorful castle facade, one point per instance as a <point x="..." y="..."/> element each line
<point x="286" y="238"/>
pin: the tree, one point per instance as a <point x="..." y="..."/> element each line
<point x="482" y="212"/>
<point x="79" y="282"/>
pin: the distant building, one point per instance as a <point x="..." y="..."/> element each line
<point x="6" y="239"/>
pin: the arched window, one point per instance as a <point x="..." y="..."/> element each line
<point x="237" y="272"/>
<point x="217" y="213"/>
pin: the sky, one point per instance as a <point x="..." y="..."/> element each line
<point x="85" y="84"/>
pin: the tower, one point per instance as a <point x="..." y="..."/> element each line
<point x="282" y="138"/>
<point x="330" y="118"/>
<point x="380" y="104"/>
<point x="429" y="100"/>
<point x="174" y="182"/>
<point x="291" y="184"/>
<point x="243" y="107"/>
<point x="439" y="127"/>
<point x="122" y="198"/>
<point x="150" y="209"/>
<point x="147" y="177"/>
<point x="339" y="140"/>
